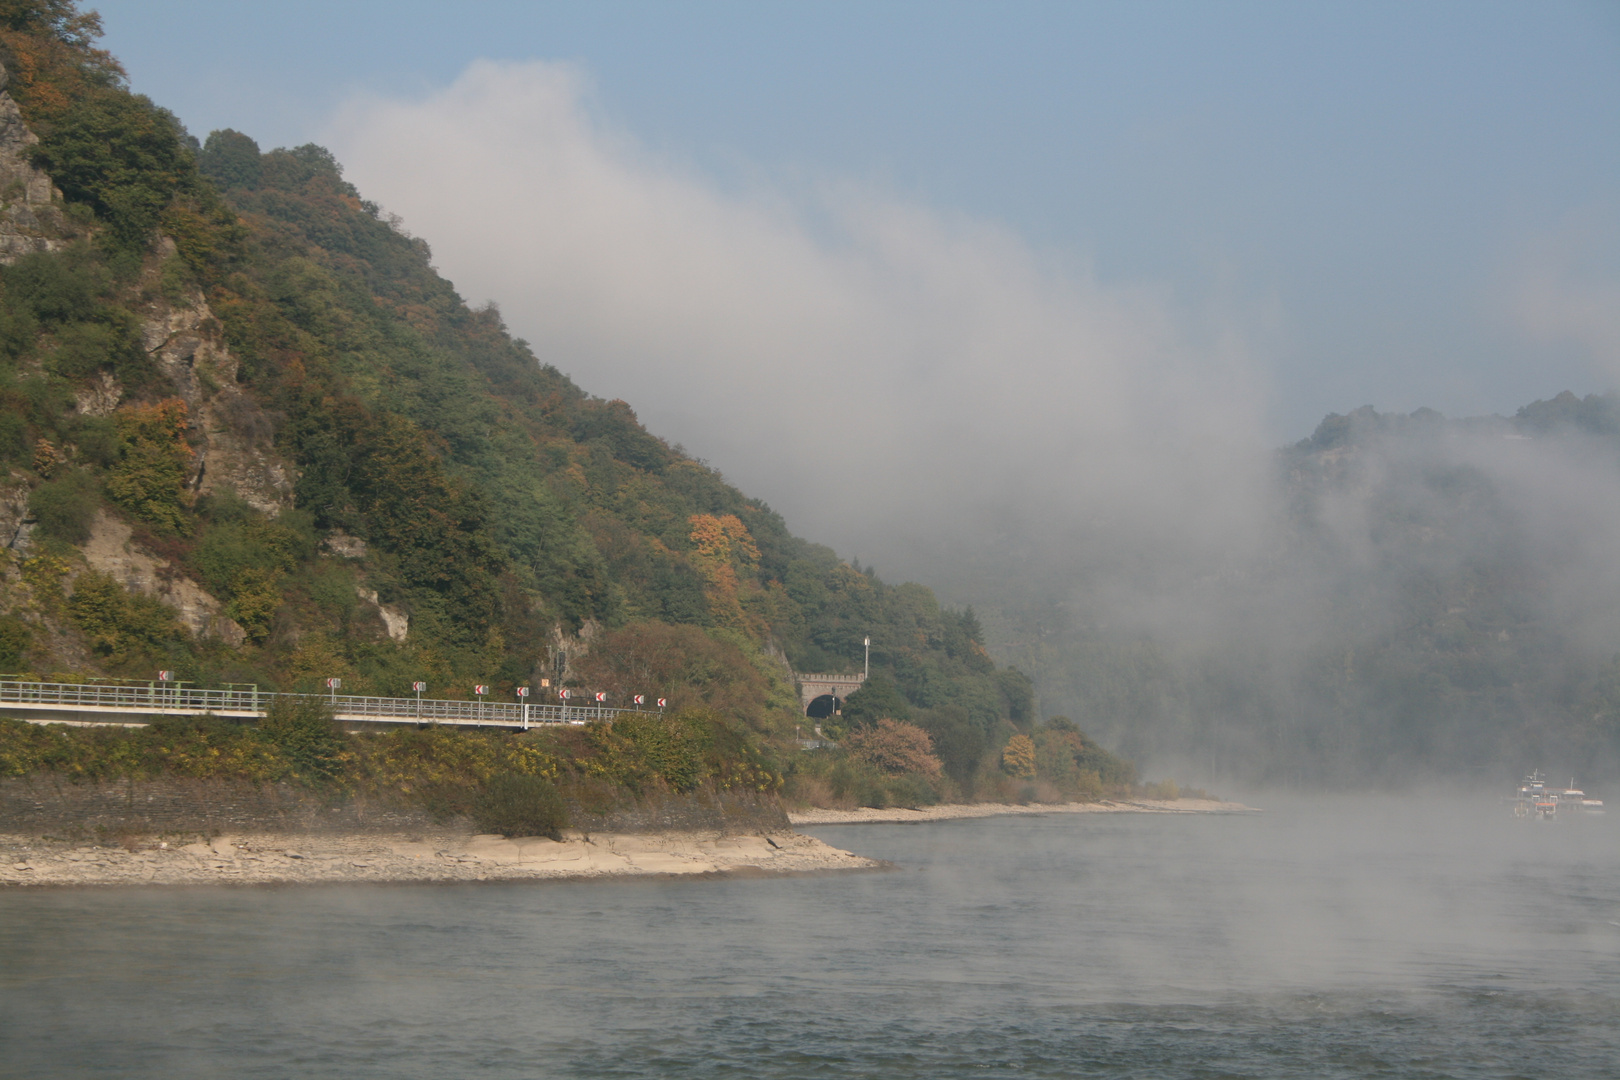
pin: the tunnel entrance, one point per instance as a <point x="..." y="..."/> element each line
<point x="822" y="707"/>
<point x="822" y="695"/>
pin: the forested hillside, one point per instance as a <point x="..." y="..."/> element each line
<point x="249" y="434"/>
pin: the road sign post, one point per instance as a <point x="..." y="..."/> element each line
<point x="523" y="699"/>
<point x="419" y="687"/>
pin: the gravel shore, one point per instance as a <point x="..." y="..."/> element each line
<point x="327" y="858"/>
<point x="284" y="859"/>
<point x="950" y="811"/>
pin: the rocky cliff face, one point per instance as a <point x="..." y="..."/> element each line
<point x="112" y="551"/>
<point x="31" y="216"/>
<point x="233" y="438"/>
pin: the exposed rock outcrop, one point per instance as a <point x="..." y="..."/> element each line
<point x="395" y="621"/>
<point x="14" y="523"/>
<point x="111" y="550"/>
<point x="234" y="438"/>
<point x="31" y="216"/>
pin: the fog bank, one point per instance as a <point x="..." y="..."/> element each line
<point x="1085" y="461"/>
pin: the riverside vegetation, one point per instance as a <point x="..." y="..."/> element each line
<point x="248" y="434"/>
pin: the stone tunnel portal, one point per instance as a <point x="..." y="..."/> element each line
<point x="822" y="695"/>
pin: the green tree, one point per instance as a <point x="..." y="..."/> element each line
<point x="65" y="506"/>
<point x="877" y="698"/>
<point x="303" y="730"/>
<point x="15" y="637"/>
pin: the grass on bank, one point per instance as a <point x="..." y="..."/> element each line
<point x="508" y="782"/>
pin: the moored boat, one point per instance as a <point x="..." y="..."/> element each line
<point x="1536" y="799"/>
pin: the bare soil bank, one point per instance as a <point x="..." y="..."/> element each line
<point x="326" y="858"/>
<point x="948" y="811"/>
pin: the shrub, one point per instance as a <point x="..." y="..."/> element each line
<point x="15" y="637"/>
<point x="83" y="348"/>
<point x="682" y="662"/>
<point x="64" y="507"/>
<point x="1168" y="790"/>
<point x="255" y="597"/>
<point x="303" y="730"/>
<point x="515" y="804"/>
<point x="150" y="476"/>
<point x="895" y="747"/>
<point x="231" y="549"/>
<point x="641" y="749"/>
<point x="442" y="768"/>
<point x="116" y="621"/>
<point x="13" y="437"/>
<point x="56" y="288"/>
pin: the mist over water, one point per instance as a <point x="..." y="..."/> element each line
<point x="1341" y="937"/>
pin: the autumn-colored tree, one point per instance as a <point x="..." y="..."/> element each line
<point x="149" y="477"/>
<point x="723" y="546"/>
<point x="1018" y="759"/>
<point x="895" y="746"/>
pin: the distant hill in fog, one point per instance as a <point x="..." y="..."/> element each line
<point x="1431" y="596"/>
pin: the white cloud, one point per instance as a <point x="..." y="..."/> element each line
<point x="885" y="374"/>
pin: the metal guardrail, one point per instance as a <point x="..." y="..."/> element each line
<point x="161" y="700"/>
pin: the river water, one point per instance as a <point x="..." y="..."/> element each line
<point x="1334" y="938"/>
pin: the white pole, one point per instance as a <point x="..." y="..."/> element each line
<point x="867" y="674"/>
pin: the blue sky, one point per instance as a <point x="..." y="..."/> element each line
<point x="1373" y="176"/>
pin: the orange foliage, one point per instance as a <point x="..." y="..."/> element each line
<point x="895" y="747"/>
<point x="154" y="461"/>
<point x="50" y="69"/>
<point x="162" y="425"/>
<point x="723" y="545"/>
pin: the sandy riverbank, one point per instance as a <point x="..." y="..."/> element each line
<point x="284" y="859"/>
<point x="950" y="811"/>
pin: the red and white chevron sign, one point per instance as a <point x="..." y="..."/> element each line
<point x="481" y="688"/>
<point x="641" y="699"/>
<point x="523" y="691"/>
<point x="419" y="686"/>
<point x="563" y="694"/>
<point x="661" y="703"/>
<point x="600" y="697"/>
<point x="165" y="676"/>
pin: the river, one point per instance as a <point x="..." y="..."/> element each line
<point x="1324" y="938"/>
